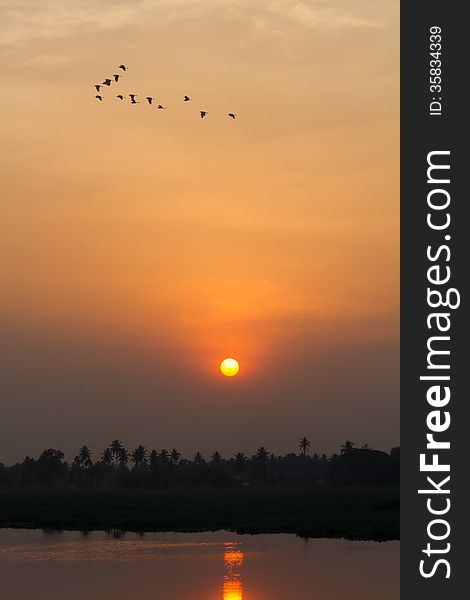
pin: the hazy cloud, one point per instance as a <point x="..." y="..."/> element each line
<point x="24" y="20"/>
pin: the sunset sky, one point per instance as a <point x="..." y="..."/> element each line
<point x="141" y="247"/>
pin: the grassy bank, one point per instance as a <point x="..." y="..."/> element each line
<point x="362" y="514"/>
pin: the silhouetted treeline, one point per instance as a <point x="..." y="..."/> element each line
<point x="142" y="469"/>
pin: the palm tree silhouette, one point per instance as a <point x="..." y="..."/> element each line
<point x="240" y="458"/>
<point x="153" y="460"/>
<point x="175" y="456"/>
<point x="362" y="466"/>
<point x="115" y="447"/>
<point x="347" y="446"/>
<point x="198" y="459"/>
<point x="123" y="457"/>
<point x="139" y="456"/>
<point x="216" y="458"/>
<point x="262" y="454"/>
<point x="164" y="455"/>
<point x="304" y="445"/>
<point x="84" y="457"/>
<point x="107" y="456"/>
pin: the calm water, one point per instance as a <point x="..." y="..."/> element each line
<point x="200" y="566"/>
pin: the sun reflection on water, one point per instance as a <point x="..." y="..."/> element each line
<point x="233" y="560"/>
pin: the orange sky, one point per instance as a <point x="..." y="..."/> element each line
<point x="144" y="246"/>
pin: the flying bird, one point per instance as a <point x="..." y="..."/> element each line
<point x="106" y="82"/>
<point x="187" y="98"/>
<point x="123" y="67"/>
<point x="203" y="113"/>
<point x="233" y="115"/>
<point x="99" y="97"/>
<point x="149" y="100"/>
<point x="116" y="77"/>
<point x="161" y="107"/>
<point x="132" y="97"/>
<point x="120" y="96"/>
<point x="97" y="86"/>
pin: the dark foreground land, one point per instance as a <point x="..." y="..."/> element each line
<point x="357" y="514"/>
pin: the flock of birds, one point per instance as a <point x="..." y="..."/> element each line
<point x="117" y="76"/>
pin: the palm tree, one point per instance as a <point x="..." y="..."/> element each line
<point x="139" y="456"/>
<point x="115" y="447"/>
<point x="216" y="458"/>
<point x="347" y="446"/>
<point x="240" y="458"/>
<point x="84" y="457"/>
<point x="262" y="454"/>
<point x="175" y="456"/>
<point x="153" y="460"/>
<point x="198" y="459"/>
<point x="107" y="456"/>
<point x="304" y="445"/>
<point x="163" y="456"/>
<point x="123" y="457"/>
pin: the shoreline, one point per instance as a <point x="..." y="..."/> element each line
<point x="357" y="514"/>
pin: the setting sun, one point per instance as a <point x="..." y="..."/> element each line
<point x="229" y="367"/>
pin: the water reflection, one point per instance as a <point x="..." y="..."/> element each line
<point x="199" y="566"/>
<point x="233" y="560"/>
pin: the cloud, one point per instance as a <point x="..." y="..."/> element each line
<point x="24" y="21"/>
<point x="47" y="61"/>
<point x="323" y="17"/>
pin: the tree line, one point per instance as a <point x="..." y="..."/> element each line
<point x="119" y="468"/>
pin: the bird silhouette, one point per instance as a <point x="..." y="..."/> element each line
<point x="150" y="99"/>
